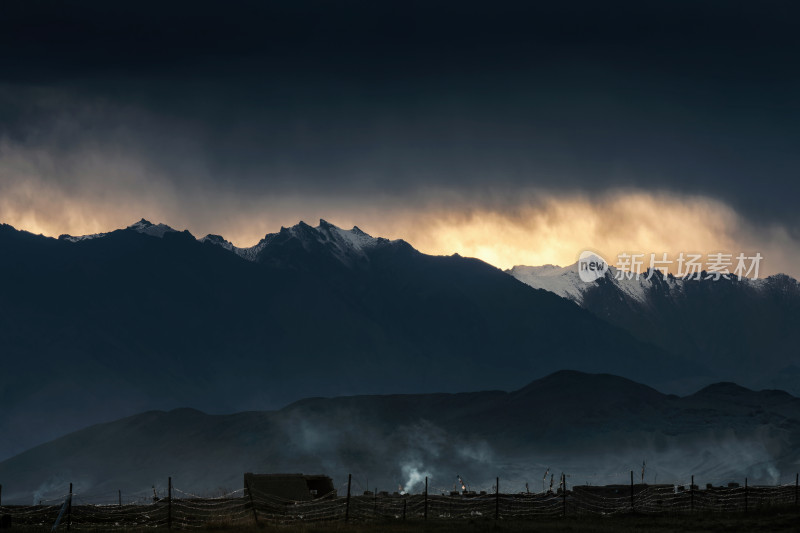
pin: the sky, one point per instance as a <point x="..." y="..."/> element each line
<point x="516" y="132"/>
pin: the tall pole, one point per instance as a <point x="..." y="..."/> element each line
<point x="745" y="495"/>
<point x="631" y="490"/>
<point x="252" y="503"/>
<point x="563" y="494"/>
<point x="404" y="509"/>
<point x="796" y="487"/>
<point x="119" y="493"/>
<point x="426" y="497"/>
<point x="1" y="494"/>
<point x="169" y="503"/>
<point x="691" y="493"/>
<point x="69" y="508"/>
<point x="497" y="500"/>
<point x="347" y="505"/>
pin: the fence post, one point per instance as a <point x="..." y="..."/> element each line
<point x="404" y="509"/>
<point x="375" y="503"/>
<point x="632" y="490"/>
<point x="119" y="493"/>
<point x="169" y="503"/>
<point x="563" y="494"/>
<point x="69" y="508"/>
<point x="347" y="505"/>
<point x="691" y="494"/>
<point x="745" y="495"/>
<point x="252" y="504"/>
<point x="497" y="500"/>
<point x="426" y="497"/>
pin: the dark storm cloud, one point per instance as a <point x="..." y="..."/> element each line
<point x="386" y="98"/>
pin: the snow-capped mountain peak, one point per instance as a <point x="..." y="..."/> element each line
<point x="354" y="239"/>
<point x="219" y="240"/>
<point x="563" y="281"/>
<point x="566" y="282"/>
<point x="79" y="238"/>
<point x="142" y="226"/>
<point x="148" y="228"/>
<point x="347" y="246"/>
<point x="249" y="253"/>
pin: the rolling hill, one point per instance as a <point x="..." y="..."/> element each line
<point x="594" y="427"/>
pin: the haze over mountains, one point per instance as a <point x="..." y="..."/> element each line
<point x="99" y="327"/>
<point x="594" y="427"/>
<point x="103" y="326"/>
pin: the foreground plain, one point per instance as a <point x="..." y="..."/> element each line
<point x="787" y="519"/>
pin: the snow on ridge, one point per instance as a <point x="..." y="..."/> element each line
<point x="347" y="245"/>
<point x="142" y="226"/>
<point x="563" y="281"/>
<point x="219" y="240"/>
<point x="148" y="228"/>
<point x="566" y="282"/>
<point x="79" y="238"/>
<point x="251" y="253"/>
<point x="634" y="287"/>
<point x="354" y="239"/>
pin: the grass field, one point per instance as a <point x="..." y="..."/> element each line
<point x="773" y="520"/>
<point x="776" y="518"/>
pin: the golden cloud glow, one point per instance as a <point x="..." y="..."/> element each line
<point x="555" y="229"/>
<point x="533" y="228"/>
<point x="558" y="229"/>
<point x="551" y="230"/>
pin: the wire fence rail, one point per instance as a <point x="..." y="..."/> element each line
<point x="184" y="511"/>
